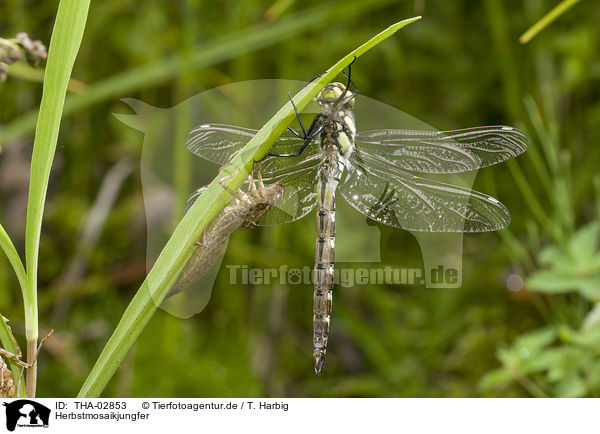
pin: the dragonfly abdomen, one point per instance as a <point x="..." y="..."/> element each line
<point x="213" y="241"/>
<point x="243" y="212"/>
<point x="328" y="180"/>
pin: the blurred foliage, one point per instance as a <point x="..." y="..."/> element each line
<point x="562" y="359"/>
<point x="574" y="268"/>
<point x="461" y="65"/>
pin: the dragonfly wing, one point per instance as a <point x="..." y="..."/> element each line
<point x="195" y="195"/>
<point x="219" y="142"/>
<point x="299" y="177"/>
<point x="444" y="151"/>
<point x="398" y="198"/>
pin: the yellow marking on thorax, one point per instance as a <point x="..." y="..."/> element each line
<point x="345" y="143"/>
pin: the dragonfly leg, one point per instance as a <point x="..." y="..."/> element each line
<point x="251" y="186"/>
<point x="307" y="135"/>
<point x="15" y="358"/>
<point x="227" y="165"/>
<point x="200" y="242"/>
<point x="261" y="185"/>
<point x="239" y="194"/>
<point x="311" y="135"/>
<point x="294" y="132"/>
<point x="350" y="82"/>
<point x="343" y="99"/>
<point x="313" y="79"/>
<point x="231" y="175"/>
<point x="304" y="135"/>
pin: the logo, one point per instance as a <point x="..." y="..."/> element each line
<point x="26" y="413"/>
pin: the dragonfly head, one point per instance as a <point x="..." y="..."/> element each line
<point x="263" y="199"/>
<point x="330" y="96"/>
<point x="274" y="193"/>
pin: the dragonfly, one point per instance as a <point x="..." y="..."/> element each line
<point x="242" y="212"/>
<point x="376" y="172"/>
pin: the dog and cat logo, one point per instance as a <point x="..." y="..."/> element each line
<point x="26" y="413"/>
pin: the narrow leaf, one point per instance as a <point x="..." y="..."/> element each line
<point x="560" y="9"/>
<point x="64" y="44"/>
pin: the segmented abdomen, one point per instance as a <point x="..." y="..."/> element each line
<point x="329" y="176"/>
<point x="210" y="246"/>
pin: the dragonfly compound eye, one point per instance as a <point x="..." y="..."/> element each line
<point x="331" y="92"/>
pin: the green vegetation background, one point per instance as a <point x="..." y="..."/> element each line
<point x="461" y="65"/>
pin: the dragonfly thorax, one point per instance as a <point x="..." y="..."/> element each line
<point x="337" y="119"/>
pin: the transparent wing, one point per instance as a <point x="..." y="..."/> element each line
<point x="444" y="151"/>
<point x="195" y="195"/>
<point x="398" y="198"/>
<point x="219" y="142"/>
<point x="299" y="177"/>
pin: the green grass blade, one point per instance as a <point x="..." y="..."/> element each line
<point x="207" y="54"/>
<point x="9" y="344"/>
<point x="23" y="71"/>
<point x="64" y="45"/>
<point x="13" y="257"/>
<point x="179" y="247"/>
<point x="560" y="9"/>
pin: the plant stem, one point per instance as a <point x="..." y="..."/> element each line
<point x="529" y="385"/>
<point x="31" y="377"/>
<point x="560" y="9"/>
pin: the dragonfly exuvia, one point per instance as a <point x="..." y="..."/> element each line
<point x="242" y="212"/>
<point x="376" y="172"/>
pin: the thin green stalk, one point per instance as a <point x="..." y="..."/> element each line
<point x="547" y="140"/>
<point x="564" y="193"/>
<point x="179" y="247"/>
<point x="64" y="45"/>
<point x="528" y="384"/>
<point x="6" y="337"/>
<point x="182" y="160"/>
<point x="519" y="252"/>
<point x="559" y="186"/>
<point x="528" y="194"/>
<point x="560" y="9"/>
<point x="14" y="259"/>
<point x="533" y="153"/>
<point x="511" y="241"/>
<point x="23" y="71"/>
<point x="507" y="64"/>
